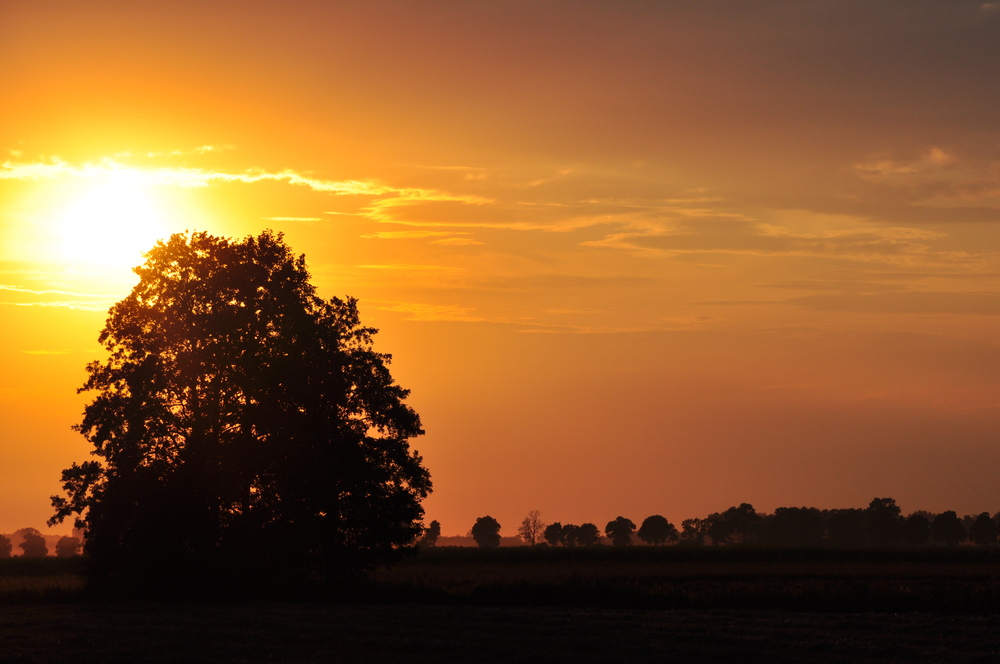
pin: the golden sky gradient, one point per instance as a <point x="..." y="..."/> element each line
<point x="630" y="258"/>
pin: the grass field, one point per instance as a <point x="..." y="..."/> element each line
<point x="522" y="605"/>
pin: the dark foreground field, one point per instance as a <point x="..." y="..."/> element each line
<point x="305" y="632"/>
<point x="527" y="605"/>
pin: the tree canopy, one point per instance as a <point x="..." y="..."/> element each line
<point x="657" y="530"/>
<point x="486" y="532"/>
<point x="620" y="531"/>
<point x="238" y="418"/>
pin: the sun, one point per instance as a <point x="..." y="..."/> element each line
<point x="110" y="221"/>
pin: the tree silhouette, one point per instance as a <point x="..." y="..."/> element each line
<point x="983" y="530"/>
<point x="246" y="416"/>
<point x="486" y="532"/>
<point x="794" y="526"/>
<point x="67" y="547"/>
<point x="555" y="534"/>
<point x="431" y="534"/>
<point x="883" y="522"/>
<point x="531" y="529"/>
<point x="657" y="530"/>
<point x="693" y="531"/>
<point x="586" y="534"/>
<point x="33" y="545"/>
<point x="846" y="527"/>
<point x="947" y="527"/>
<point x="6" y="546"/>
<point x="620" y="531"/>
<point x="742" y="521"/>
<point x="916" y="530"/>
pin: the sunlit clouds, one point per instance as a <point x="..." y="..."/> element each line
<point x="630" y="258"/>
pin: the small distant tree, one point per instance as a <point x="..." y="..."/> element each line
<point x="620" y="531"/>
<point x="5" y="546"/>
<point x="34" y="545"/>
<point x="742" y="521"/>
<point x="846" y="527"/>
<point x="587" y="534"/>
<point x="794" y="526"/>
<point x="431" y="534"/>
<point x="883" y="521"/>
<point x="693" y="531"/>
<point x="948" y="528"/>
<point x="983" y="530"/>
<point x="67" y="547"/>
<point x="555" y="534"/>
<point x="916" y="530"/>
<point x="486" y="532"/>
<point x="657" y="530"/>
<point x="532" y="528"/>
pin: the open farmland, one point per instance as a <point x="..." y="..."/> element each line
<point x="510" y="605"/>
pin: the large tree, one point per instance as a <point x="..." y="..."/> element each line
<point x="240" y="419"/>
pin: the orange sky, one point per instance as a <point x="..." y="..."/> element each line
<point x="630" y="258"/>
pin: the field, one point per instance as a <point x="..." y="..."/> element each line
<point x="529" y="605"/>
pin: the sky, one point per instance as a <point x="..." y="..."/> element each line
<point x="630" y="258"/>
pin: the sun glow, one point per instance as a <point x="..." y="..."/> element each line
<point x="111" y="222"/>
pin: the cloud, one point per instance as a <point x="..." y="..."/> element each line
<point x="405" y="235"/>
<point x="406" y="267"/>
<point x="433" y="312"/>
<point x="913" y="302"/>
<point x="457" y="242"/>
<point x="47" y="352"/>
<point x="80" y="301"/>
<point x="388" y="196"/>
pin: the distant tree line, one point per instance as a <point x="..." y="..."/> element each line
<point x="33" y="545"/>
<point x="879" y="524"/>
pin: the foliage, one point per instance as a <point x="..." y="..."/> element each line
<point x="846" y="527"/>
<point x="983" y="530"/>
<point x="555" y="534"/>
<point x="916" y="530"/>
<point x="431" y="535"/>
<point x="68" y="547"/>
<point x="794" y="526"/>
<point x="620" y="531"/>
<point x="486" y="532"/>
<point x="883" y="522"/>
<point x="947" y="528"/>
<point x="34" y="545"/>
<point x="6" y="546"/>
<point x="735" y="524"/>
<point x="532" y="528"/>
<point x="585" y="534"/>
<point x="657" y="530"/>
<point x="244" y="417"/>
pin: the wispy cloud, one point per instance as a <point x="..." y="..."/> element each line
<point x="80" y="301"/>
<point x="457" y="242"/>
<point x="46" y="352"/>
<point x="433" y="312"/>
<point x="197" y="177"/>
<point x="405" y="235"/>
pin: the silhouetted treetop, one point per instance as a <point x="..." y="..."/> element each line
<point x="620" y="531"/>
<point x="947" y="528"/>
<point x="657" y="530"/>
<point x="486" y="532"/>
<point x="247" y="417"/>
<point x="983" y="530"/>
